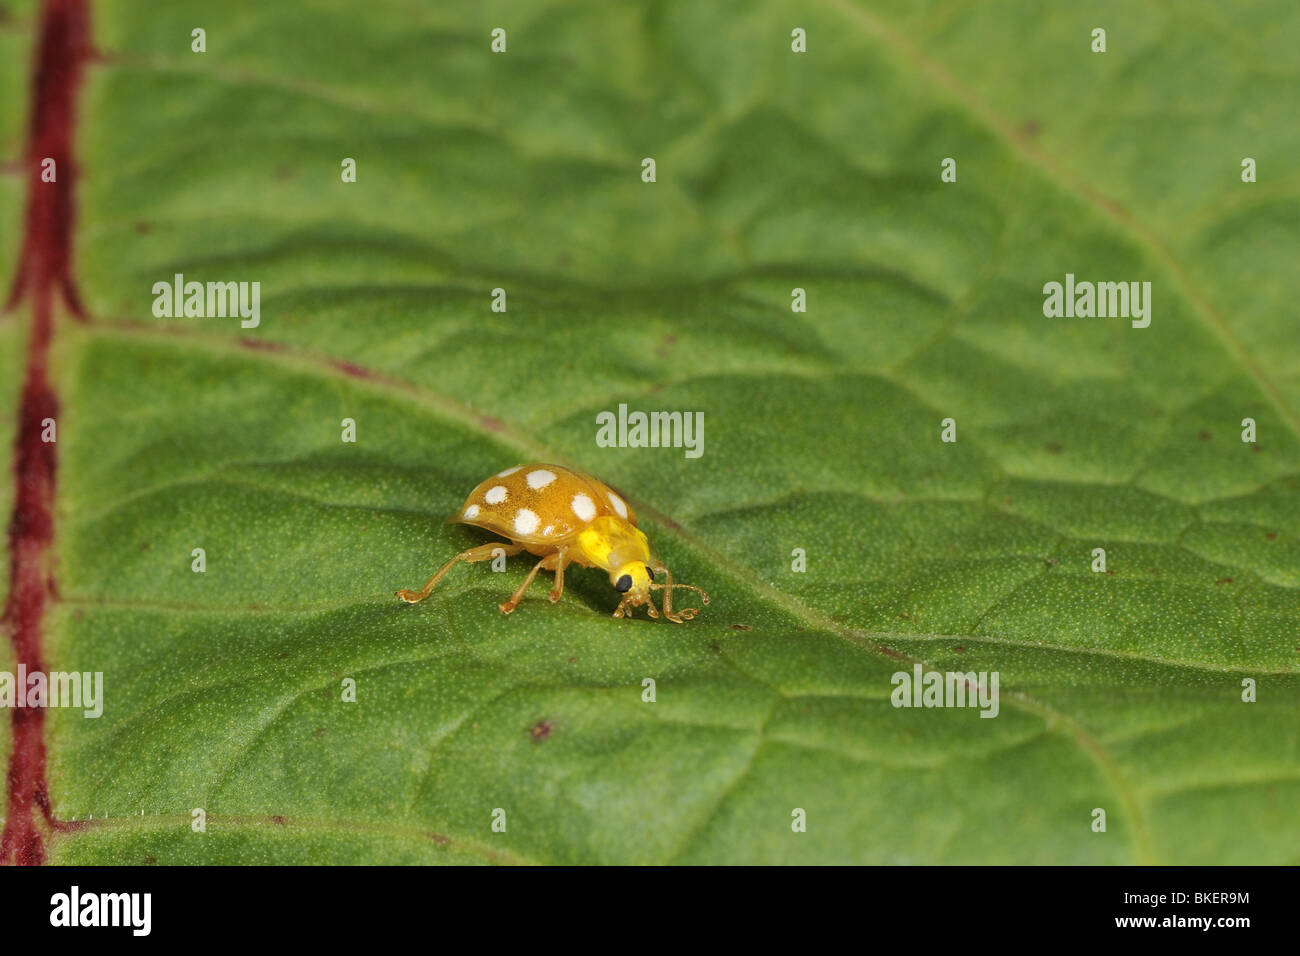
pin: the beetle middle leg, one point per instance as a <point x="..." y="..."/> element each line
<point x="552" y="562"/>
<point x="561" y="562"/>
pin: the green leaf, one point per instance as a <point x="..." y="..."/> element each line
<point x="775" y="170"/>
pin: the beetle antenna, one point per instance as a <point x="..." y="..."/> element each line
<point x="686" y="613"/>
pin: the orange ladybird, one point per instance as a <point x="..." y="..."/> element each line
<point x="564" y="517"/>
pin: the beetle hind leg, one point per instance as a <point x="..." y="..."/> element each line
<point x="484" y="552"/>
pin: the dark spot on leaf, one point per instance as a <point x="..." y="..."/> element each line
<point x="284" y="172"/>
<point x="741" y="627"/>
<point x="1053" y="447"/>
<point x="573" y="660"/>
<point x="959" y="649"/>
<point x="439" y="839"/>
<point x="1030" y="128"/>
<point x="494" y="424"/>
<point x="1203" y="435"/>
<point x="352" y="369"/>
<point x="150" y="860"/>
<point x="261" y="345"/>
<point x="1110" y="571"/>
<point x="143" y="228"/>
<point x="1224" y="581"/>
<point x="541" y="730"/>
<point x="278" y="820"/>
<point x="713" y="646"/>
<point x="1115" y="207"/>
<point x="670" y="340"/>
<point x="1270" y="535"/>
<point x="318" y="733"/>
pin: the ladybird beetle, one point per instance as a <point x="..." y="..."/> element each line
<point x="564" y="517"/>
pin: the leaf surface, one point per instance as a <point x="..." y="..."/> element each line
<point x="1119" y="691"/>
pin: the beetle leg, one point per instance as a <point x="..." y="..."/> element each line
<point x="547" y="563"/>
<point x="561" y="561"/>
<point x="484" y="552"/>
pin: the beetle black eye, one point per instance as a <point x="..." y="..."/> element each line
<point x="624" y="584"/>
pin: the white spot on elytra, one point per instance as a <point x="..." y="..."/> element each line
<point x="617" y="502"/>
<point x="525" y="522"/>
<point x="583" y="507"/>
<point x="508" y="471"/>
<point x="495" y="495"/>
<point x="548" y="529"/>
<point x="471" y="511"/>
<point x="540" y="478"/>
